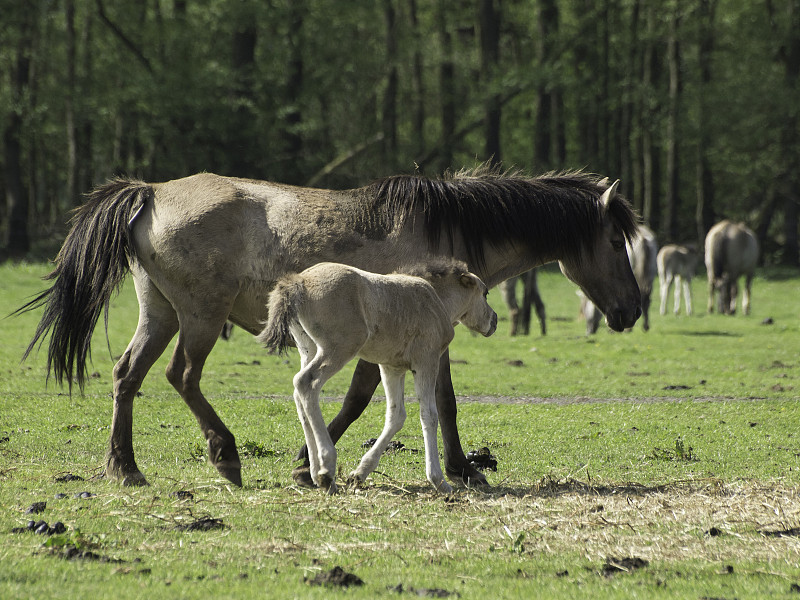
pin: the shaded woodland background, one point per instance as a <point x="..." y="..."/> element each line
<point x="693" y="104"/>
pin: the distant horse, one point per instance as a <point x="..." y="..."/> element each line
<point x="676" y="264"/>
<point x="400" y="322"/>
<point x="207" y="248"/>
<point x="731" y="252"/>
<point x="520" y="317"/>
<point x="642" y="252"/>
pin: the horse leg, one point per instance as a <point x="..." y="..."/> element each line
<point x="157" y="325"/>
<point x="687" y="295"/>
<point x="366" y="378"/>
<point x="733" y="293"/>
<point x="710" y="293"/>
<point x="308" y="385"/>
<point x="676" y="300"/>
<point x="425" y="387"/>
<point x="508" y="292"/>
<point x="665" y="283"/>
<point x="393" y="384"/>
<point x="456" y="465"/>
<point x="195" y="341"/>
<point x="748" y="283"/>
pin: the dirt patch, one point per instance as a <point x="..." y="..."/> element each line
<point x="201" y="524"/>
<point x="612" y="566"/>
<point x="336" y="577"/>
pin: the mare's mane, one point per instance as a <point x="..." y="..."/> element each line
<point x="548" y="212"/>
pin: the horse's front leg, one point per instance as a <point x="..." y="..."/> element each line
<point x="456" y="465"/>
<point x="365" y="380"/>
<point x="425" y="384"/>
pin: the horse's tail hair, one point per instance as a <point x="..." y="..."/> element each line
<point x="718" y="254"/>
<point x="282" y="305"/>
<point x="90" y="267"/>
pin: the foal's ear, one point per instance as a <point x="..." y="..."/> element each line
<point x="609" y="194"/>
<point x="467" y="281"/>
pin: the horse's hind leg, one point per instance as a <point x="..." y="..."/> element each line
<point x="748" y="283"/>
<point x="665" y="283"/>
<point x="366" y="378"/>
<point x="157" y="325"/>
<point x="195" y="341"/>
<point x="393" y="383"/>
<point x="687" y="295"/>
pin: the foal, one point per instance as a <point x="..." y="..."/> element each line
<point x="676" y="264"/>
<point x="399" y="321"/>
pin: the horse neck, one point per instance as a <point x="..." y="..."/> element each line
<point x="452" y="298"/>
<point x="514" y="259"/>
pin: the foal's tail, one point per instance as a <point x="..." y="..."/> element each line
<point x="90" y="266"/>
<point x="283" y="302"/>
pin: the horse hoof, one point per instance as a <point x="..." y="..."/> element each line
<point x="327" y="483"/>
<point x="302" y="476"/>
<point x="443" y="488"/>
<point x="468" y="476"/>
<point x="135" y="480"/>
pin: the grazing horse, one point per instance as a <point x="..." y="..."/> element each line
<point x="642" y="253"/>
<point x="207" y="248"/>
<point x="398" y="321"/>
<point x="521" y="317"/>
<point x="731" y="251"/>
<point x="676" y="264"/>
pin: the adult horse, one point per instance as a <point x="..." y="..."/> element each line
<point x="207" y="248"/>
<point x="731" y="252"/>
<point x="520" y="317"/>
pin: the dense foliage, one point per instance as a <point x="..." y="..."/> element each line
<point x="693" y="104"/>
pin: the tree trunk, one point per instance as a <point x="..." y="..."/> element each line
<point x="672" y="196"/>
<point x="489" y="20"/>
<point x="418" y="84"/>
<point x="16" y="193"/>
<point x="704" y="213"/>
<point x="389" y="116"/>
<point x="244" y="144"/>
<point x="447" y="90"/>
<point x="545" y="152"/>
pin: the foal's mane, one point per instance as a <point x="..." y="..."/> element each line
<point x="548" y="212"/>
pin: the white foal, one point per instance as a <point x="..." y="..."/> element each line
<point x="676" y="264"/>
<point x="400" y="321"/>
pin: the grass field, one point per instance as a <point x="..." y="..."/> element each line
<point x="659" y="464"/>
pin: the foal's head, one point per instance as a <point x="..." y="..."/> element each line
<point x="463" y="293"/>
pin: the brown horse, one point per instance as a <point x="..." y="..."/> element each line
<point x="207" y="248"/>
<point x="731" y="252"/>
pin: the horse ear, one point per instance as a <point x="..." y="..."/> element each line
<point x="466" y="280"/>
<point x="603" y="182"/>
<point x="610" y="193"/>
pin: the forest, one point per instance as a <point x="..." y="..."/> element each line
<point x="693" y="104"/>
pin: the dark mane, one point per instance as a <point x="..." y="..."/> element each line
<point x="435" y="268"/>
<point x="547" y="212"/>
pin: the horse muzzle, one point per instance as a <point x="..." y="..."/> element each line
<point x="492" y="326"/>
<point x="621" y="319"/>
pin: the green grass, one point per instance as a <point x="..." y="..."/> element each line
<point x="612" y="446"/>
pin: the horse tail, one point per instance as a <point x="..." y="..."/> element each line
<point x="90" y="267"/>
<point x="282" y="305"/>
<point x="718" y="257"/>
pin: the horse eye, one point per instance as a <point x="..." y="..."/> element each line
<point x="617" y="245"/>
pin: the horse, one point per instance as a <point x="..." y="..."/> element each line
<point x="642" y="251"/>
<point x="401" y="321"/>
<point x="207" y="248"/>
<point x="731" y="252"/>
<point x="676" y="264"/>
<point x="521" y="317"/>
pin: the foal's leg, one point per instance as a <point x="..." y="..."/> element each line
<point x="687" y="294"/>
<point x="365" y="380"/>
<point x="158" y="323"/>
<point x="424" y="384"/>
<point x="456" y="465"/>
<point x="308" y="385"/>
<point x="196" y="339"/>
<point x="676" y="300"/>
<point x="665" y="283"/>
<point x="393" y="383"/>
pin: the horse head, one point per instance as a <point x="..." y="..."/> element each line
<point x="602" y="268"/>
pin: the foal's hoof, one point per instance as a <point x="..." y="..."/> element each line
<point x="129" y="477"/>
<point x="302" y="476"/>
